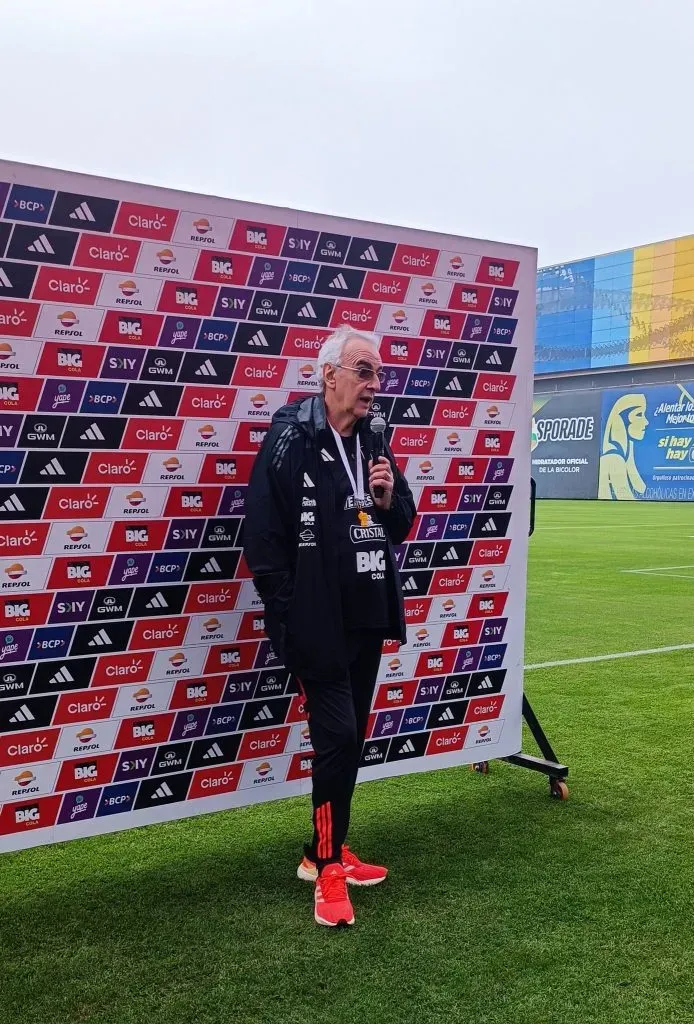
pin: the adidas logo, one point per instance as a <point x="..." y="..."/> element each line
<point x="308" y="312"/>
<point x="451" y="555"/>
<point x="214" y="751"/>
<point x="486" y="684"/>
<point x="22" y="715"/>
<point x="259" y="340"/>
<point x="62" y="676"/>
<point x="92" y="433"/>
<point x="454" y="385"/>
<point x="82" y="212"/>
<point x="151" y="401"/>
<point x="53" y="468"/>
<point x="494" y="359"/>
<point x="369" y="255"/>
<point x="264" y="715"/>
<point x="4" y="279"/>
<point x="13" y="504"/>
<point x="446" y="716"/>
<point x="410" y="583"/>
<point x="102" y="639"/>
<point x="339" y="283"/>
<point x="326" y="456"/>
<point x="308" y="482"/>
<point x="411" y="413"/>
<point x="211" y="566"/>
<point x="42" y="245"/>
<point x="407" y="747"/>
<point x="206" y="370"/>
<point x="489" y="526"/>
<point x="162" y="792"/>
<point x="158" y="601"/>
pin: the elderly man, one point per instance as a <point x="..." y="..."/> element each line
<point x="322" y="516"/>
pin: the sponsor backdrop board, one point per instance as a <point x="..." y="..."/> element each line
<point x="146" y="338"/>
<point x="565" y="444"/>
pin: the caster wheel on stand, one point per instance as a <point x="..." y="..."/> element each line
<point x="558" y="789"/>
<point x="481" y="766"/>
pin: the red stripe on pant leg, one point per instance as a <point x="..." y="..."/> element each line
<point x="320" y="829"/>
<point x="329" y="830"/>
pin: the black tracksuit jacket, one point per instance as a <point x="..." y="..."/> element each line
<point x="298" y="583"/>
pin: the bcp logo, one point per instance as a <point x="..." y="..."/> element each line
<point x="102" y="252"/>
<point x="145" y="221"/>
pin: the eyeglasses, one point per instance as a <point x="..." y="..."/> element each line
<point x="365" y="373"/>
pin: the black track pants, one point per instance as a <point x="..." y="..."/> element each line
<point x="338" y="714"/>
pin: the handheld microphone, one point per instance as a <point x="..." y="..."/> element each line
<point x="378" y="426"/>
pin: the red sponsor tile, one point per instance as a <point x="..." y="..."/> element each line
<point x="493" y="270"/>
<point x="443" y="741"/>
<point x="395" y="695"/>
<point x="165" y="631"/>
<point x="114" y="669"/>
<point x="453" y="413"/>
<point x="252" y="626"/>
<point x="215" y="781"/>
<point x="417" y="609"/>
<point x="187" y="298"/>
<point x="231" y="657"/>
<point x="264" y="742"/>
<point x="488" y="605"/>
<point x="226" y="469"/>
<point x="404" y="351"/>
<point x="132" y="328"/>
<point x="144" y="536"/>
<point x="76" y="502"/>
<point x="17" y="318"/>
<point x="144" y="731"/>
<point x="20" y="393"/>
<point x="23" y="538"/>
<point x="412" y="440"/>
<point x="84" y="706"/>
<point x="73" y="571"/>
<point x="493" y="442"/>
<point x="300" y="766"/>
<point x="211" y="402"/>
<point x="70" y="359"/>
<point x="254" y="236"/>
<point x="250" y="436"/>
<point x="115" y="467"/>
<point x="450" y="581"/>
<point x="104" y="252"/>
<point x="435" y="663"/>
<point x="145" y="221"/>
<point x="415" y="259"/>
<point x="297" y="710"/>
<point x="461" y="634"/>
<point x="24" y="609"/>
<point x="28" y="747"/>
<point x="490" y="552"/>
<point x="482" y="709"/>
<point x="223" y="267"/>
<point x="304" y="341"/>
<point x="197" y="693"/>
<point x="193" y="501"/>
<point x="439" y="498"/>
<point x="87" y="771"/>
<point x="152" y="434"/>
<point x="494" y="385"/>
<point x="467" y="470"/>
<point x="212" y="597"/>
<point x="384" y="287"/>
<point x="474" y="298"/>
<point x="355" y="313"/>
<point x="442" y="323"/>
<point x="26" y="815"/>
<point x="255" y="371"/>
<point x="63" y="284"/>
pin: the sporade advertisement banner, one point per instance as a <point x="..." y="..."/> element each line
<point x="147" y="336"/>
<point x="565" y="444"/>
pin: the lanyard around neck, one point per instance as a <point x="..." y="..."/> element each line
<point x="358" y="484"/>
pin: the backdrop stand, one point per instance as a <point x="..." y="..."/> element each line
<point x="548" y="764"/>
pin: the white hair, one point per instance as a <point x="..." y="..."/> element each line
<point x="334" y="345"/>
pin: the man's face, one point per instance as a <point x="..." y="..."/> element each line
<point x="354" y="382"/>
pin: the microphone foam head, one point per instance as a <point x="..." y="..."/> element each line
<point x="378" y="425"/>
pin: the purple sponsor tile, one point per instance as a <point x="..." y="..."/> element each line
<point x="180" y="537"/>
<point x="300" y="242"/>
<point x="9" y="429"/>
<point x="240" y="686"/>
<point x="429" y="690"/>
<point x="267" y="273"/>
<point x="130" y="569"/>
<point x="62" y="395"/>
<point x="71" y="606"/>
<point x="476" y="328"/>
<point x="472" y="497"/>
<point x="179" y="332"/>
<point x="493" y="629"/>
<point x="468" y="659"/>
<point x="396" y="378"/>
<point x="122" y="363"/>
<point x="4" y="189"/>
<point x="134" y="764"/>
<point x="189" y="725"/>
<point x="266" y="657"/>
<point x="233" y="501"/>
<point x="234" y="303"/>
<point x="399" y="553"/>
<point x="493" y="656"/>
<point x="79" y="806"/>
<point x="14" y="643"/>
<point x="499" y="471"/>
<point x="432" y="527"/>
<point x="435" y="353"/>
<point x="504" y="301"/>
<point x="387" y="723"/>
<point x="503" y="330"/>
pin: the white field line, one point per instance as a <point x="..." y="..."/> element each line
<point x="609" y="657"/>
<point x="615" y="526"/>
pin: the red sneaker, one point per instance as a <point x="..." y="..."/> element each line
<point x="332" y="904"/>
<point x="356" y="871"/>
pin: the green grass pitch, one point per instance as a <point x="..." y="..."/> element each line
<point x="503" y="906"/>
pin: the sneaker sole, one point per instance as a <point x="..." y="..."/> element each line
<point x="342" y="923"/>
<point x="306" y="876"/>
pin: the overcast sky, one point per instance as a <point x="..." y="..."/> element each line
<point x="561" y="125"/>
